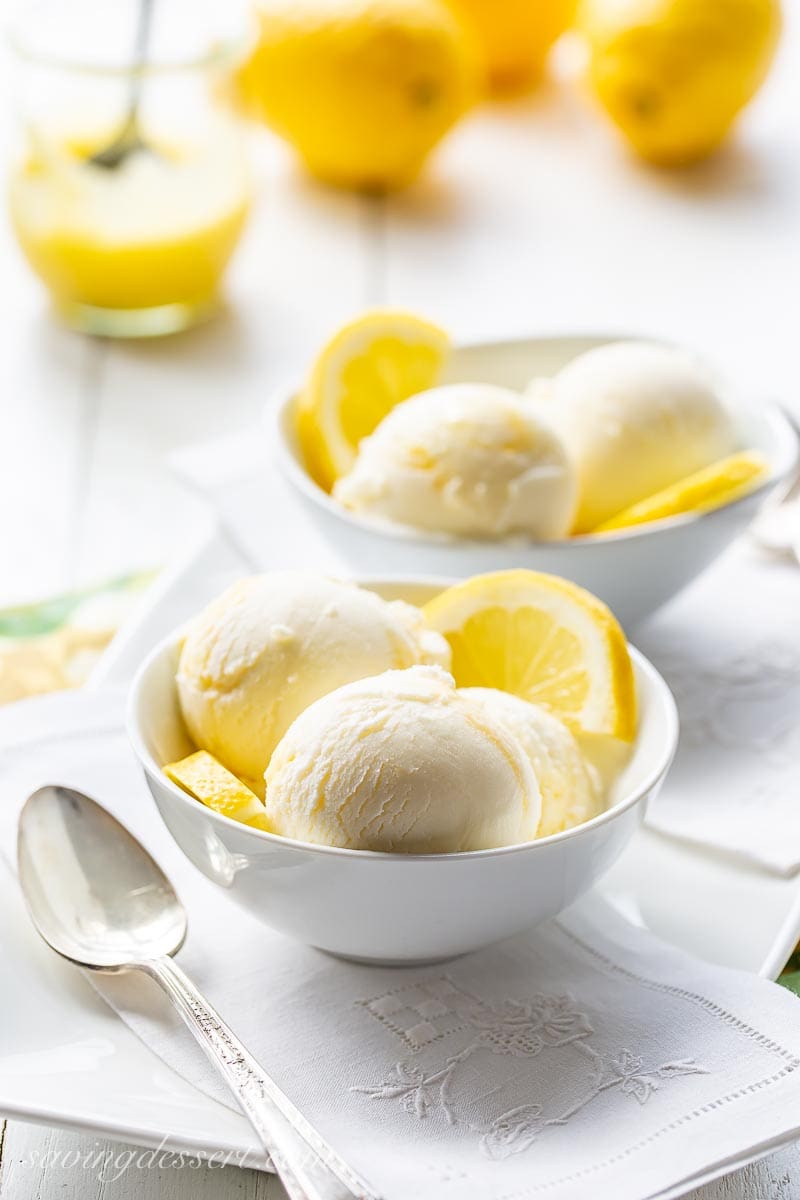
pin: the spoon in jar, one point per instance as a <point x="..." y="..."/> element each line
<point x="129" y="139"/>
<point x="98" y="899"/>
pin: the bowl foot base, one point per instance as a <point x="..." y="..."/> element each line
<point x="158" y="321"/>
<point x="392" y="962"/>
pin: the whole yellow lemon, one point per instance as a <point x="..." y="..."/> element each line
<point x="674" y="74"/>
<point x="515" y="37"/>
<point x="363" y="89"/>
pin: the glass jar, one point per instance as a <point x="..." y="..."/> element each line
<point x="138" y="247"/>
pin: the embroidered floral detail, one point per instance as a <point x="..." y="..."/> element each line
<point x="513" y="1131"/>
<point x="419" y="1094"/>
<point x="511" y="1028"/>
<point x="523" y="1030"/>
<point x="422" y="1012"/>
<point x="628" y="1068"/>
<point x="626" y="1072"/>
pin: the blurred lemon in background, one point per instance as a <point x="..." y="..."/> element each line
<point x="515" y="37"/>
<point x="674" y="74"/>
<point x="363" y="89"/>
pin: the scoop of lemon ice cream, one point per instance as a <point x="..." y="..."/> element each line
<point x="570" y="788"/>
<point x="402" y="762"/>
<point x="467" y="459"/>
<point x="635" y="417"/>
<point x="272" y="644"/>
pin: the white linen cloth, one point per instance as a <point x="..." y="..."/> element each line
<point x="729" y="646"/>
<point x="583" y="1058"/>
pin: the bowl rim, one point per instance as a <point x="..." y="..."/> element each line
<point x="656" y="684"/>
<point x="279" y="408"/>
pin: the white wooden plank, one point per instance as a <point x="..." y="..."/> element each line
<point x="534" y="218"/>
<point x="41" y="1164"/>
<point x="304" y="266"/>
<point x="48" y="388"/>
<point x="773" y="1178"/>
<point x="47" y="393"/>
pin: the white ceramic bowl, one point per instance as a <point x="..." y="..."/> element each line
<point x="634" y="572"/>
<point x="395" y="908"/>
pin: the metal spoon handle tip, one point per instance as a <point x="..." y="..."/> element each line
<point x="309" y="1168"/>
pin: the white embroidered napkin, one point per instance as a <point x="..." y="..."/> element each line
<point x="583" y="1058"/>
<point x="729" y="647"/>
<point x="730" y="650"/>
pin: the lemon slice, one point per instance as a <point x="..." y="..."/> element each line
<point x="715" y="485"/>
<point x="542" y="638"/>
<point x="367" y="368"/>
<point x="203" y="777"/>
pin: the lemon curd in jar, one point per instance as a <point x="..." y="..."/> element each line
<point x="140" y="248"/>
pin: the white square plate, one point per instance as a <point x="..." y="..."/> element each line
<point x="67" y="1059"/>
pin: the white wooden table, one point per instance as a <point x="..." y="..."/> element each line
<point x="531" y="220"/>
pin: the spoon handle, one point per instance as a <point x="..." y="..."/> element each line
<point x="143" y="25"/>
<point x="309" y="1168"/>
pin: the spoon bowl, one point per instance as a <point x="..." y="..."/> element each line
<point x="128" y="140"/>
<point x="98" y="898"/>
<point x="92" y="890"/>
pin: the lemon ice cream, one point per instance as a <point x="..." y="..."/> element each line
<point x="635" y="417"/>
<point x="272" y="644"/>
<point x="570" y="789"/>
<point x="467" y="459"/>
<point x="402" y="762"/>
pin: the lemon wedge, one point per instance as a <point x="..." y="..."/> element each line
<point x="203" y="777"/>
<point x="367" y="368"/>
<point x="715" y="485"/>
<point x="544" y="639"/>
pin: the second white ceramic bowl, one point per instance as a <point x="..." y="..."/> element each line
<point x="634" y="571"/>
<point x="395" y="908"/>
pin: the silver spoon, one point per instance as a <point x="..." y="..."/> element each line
<point x="128" y="139"/>
<point x="98" y="898"/>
